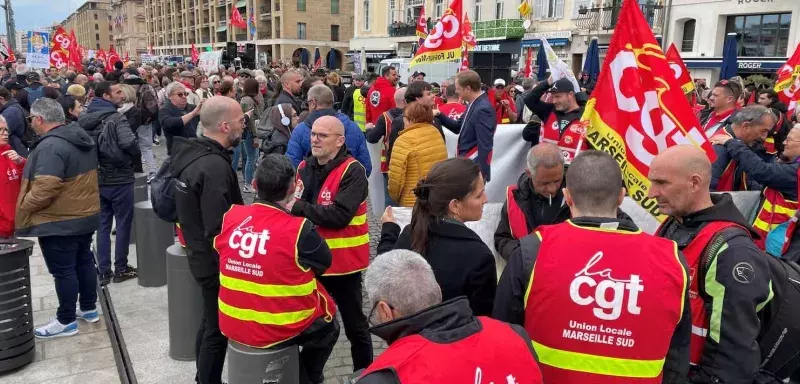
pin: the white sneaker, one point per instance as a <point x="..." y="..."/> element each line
<point x="248" y="189"/>
<point x="88" y="316"/>
<point x="55" y="329"/>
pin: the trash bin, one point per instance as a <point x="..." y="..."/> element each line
<point x="247" y="365"/>
<point x="184" y="305"/>
<point x="152" y="239"/>
<point x="17" y="346"/>
<point x="139" y="194"/>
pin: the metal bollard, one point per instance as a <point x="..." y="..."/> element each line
<point x="184" y="305"/>
<point x="17" y="347"/>
<point x="152" y="239"/>
<point x="139" y="194"/>
<point x="247" y="365"/>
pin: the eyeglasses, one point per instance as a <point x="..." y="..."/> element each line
<point x="323" y="136"/>
<point x="181" y="94"/>
<point x="216" y="82"/>
<point x="30" y="118"/>
<point x="372" y="312"/>
<point x="3" y="131"/>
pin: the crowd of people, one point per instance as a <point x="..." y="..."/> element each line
<point x="585" y="296"/>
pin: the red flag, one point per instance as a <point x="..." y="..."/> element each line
<point x="75" y="57"/>
<point x="113" y="57"/>
<point x="11" y="58"/>
<point x="468" y="37"/>
<point x="679" y="68"/>
<point x="637" y="108"/>
<point x="236" y="19"/>
<point x="464" y="60"/>
<point x="195" y="54"/>
<point x="444" y="41"/>
<point x="59" y="51"/>
<point x="788" y="84"/>
<point x="529" y="63"/>
<point x="101" y="56"/>
<point x="422" y="26"/>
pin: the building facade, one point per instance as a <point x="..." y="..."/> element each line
<point x="766" y="33"/>
<point x="91" y="24"/>
<point x="290" y="30"/>
<point x="128" y="27"/>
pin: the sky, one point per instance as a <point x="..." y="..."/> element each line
<point x="31" y="14"/>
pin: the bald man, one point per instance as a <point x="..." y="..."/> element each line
<point x="383" y="130"/>
<point x="291" y="81"/>
<point x="730" y="277"/>
<point x="206" y="190"/>
<point x="537" y="199"/>
<point x="332" y="192"/>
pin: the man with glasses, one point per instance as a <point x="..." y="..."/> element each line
<point x="59" y="202"/>
<point x="750" y="125"/>
<point x="207" y="188"/>
<point x="721" y="105"/>
<point x="177" y="117"/>
<point x="431" y="341"/>
<point x="331" y="192"/>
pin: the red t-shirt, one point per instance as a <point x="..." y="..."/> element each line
<point x="452" y="110"/>
<point x="502" y="113"/>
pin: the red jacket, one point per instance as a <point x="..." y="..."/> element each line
<point x="380" y="99"/>
<point x="9" y="191"/>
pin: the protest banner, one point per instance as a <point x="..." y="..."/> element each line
<point x="38" y="55"/>
<point x="210" y="61"/>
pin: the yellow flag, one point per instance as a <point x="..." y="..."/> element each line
<point x="524" y="9"/>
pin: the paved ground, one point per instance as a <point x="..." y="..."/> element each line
<point x="87" y="358"/>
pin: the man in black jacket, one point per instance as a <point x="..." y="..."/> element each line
<point x="291" y="82"/>
<point x="177" y="117"/>
<point x="115" y="178"/>
<point x="206" y="189"/>
<point x="777" y="134"/>
<point x="329" y="151"/>
<point x="736" y="277"/>
<point x="347" y="102"/>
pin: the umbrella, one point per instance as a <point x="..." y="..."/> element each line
<point x="729" y="62"/>
<point x="541" y="63"/>
<point x="592" y="63"/>
<point x="303" y="56"/>
<point x="317" y="58"/>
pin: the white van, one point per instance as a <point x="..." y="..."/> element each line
<point x="434" y="72"/>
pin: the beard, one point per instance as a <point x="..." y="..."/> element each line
<point x="234" y="139"/>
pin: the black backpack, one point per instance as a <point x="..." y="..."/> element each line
<point x="28" y="134"/>
<point x="162" y="191"/>
<point x="107" y="143"/>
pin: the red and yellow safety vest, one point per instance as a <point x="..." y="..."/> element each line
<point x="603" y="309"/>
<point x="265" y="295"/>
<point x="769" y="142"/>
<point x="570" y="141"/>
<point x="491" y="355"/>
<point x="516" y="218"/>
<point x="727" y="179"/>
<point x="349" y="245"/>
<point x="385" y="143"/>
<point x="775" y="210"/>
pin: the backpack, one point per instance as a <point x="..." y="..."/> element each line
<point x="162" y="191"/>
<point x="108" y="144"/>
<point x="272" y="140"/>
<point x="34" y="94"/>
<point x="28" y="134"/>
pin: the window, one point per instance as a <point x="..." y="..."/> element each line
<point x="393" y="11"/>
<point x="687" y="41"/>
<point x="97" y="36"/>
<point x="301" y="5"/>
<point x="98" y="45"/>
<point x="366" y="15"/>
<point x="438" y="8"/>
<point x="498" y="9"/>
<point x="549" y="9"/>
<point x="334" y="33"/>
<point x="301" y="31"/>
<point x="334" y="7"/>
<point x="95" y="16"/>
<point x="478" y="10"/>
<point x="764" y="35"/>
<point x="96" y="27"/>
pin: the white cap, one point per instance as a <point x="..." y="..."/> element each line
<point x="500" y="82"/>
<point x="519" y="88"/>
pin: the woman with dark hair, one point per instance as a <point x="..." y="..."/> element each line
<point x="248" y="148"/>
<point x="453" y="193"/>
<point x="227" y="89"/>
<point x="201" y="87"/>
<point x="72" y="107"/>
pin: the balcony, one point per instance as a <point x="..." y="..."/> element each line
<point x="605" y="18"/>
<point x="264" y="35"/>
<point x="499" y="29"/>
<point x="398" y="29"/>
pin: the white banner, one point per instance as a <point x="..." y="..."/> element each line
<point x="558" y="68"/>
<point x="210" y="61"/>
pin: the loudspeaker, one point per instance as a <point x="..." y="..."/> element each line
<point x="231" y="48"/>
<point x="250" y="51"/>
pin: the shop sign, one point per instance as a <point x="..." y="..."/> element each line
<point x="487" y="48"/>
<point x="754" y="1"/>
<point x="548" y="35"/>
<point x="749" y="65"/>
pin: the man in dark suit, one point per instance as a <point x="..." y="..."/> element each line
<point x="476" y="126"/>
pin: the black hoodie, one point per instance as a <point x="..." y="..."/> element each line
<point x="782" y="127"/>
<point x="206" y="190"/>
<point x="736" y="285"/>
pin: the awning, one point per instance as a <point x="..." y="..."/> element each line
<point x="222" y="28"/>
<point x="241" y="3"/>
<point x="372" y="54"/>
<point x="556" y="42"/>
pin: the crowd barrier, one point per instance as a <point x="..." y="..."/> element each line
<point x="184" y="305"/>
<point x="508" y="163"/>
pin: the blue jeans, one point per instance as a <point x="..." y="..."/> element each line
<point x="116" y="202"/>
<point x="250" y="157"/>
<point x="386" y="198"/>
<point x="71" y="262"/>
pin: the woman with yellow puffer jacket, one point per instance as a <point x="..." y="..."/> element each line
<point x="419" y="146"/>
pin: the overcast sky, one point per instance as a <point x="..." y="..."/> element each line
<point x="31" y="14"/>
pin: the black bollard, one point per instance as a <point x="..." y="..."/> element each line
<point x="152" y="239"/>
<point x="139" y="194"/>
<point x="184" y="305"/>
<point x="17" y="346"/>
<point x="248" y="365"/>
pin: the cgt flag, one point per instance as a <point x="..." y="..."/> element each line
<point x="444" y="41"/>
<point x="679" y="68"/>
<point x="638" y="108"/>
<point x="788" y="85"/>
<point x="59" y="52"/>
<point x="422" y="26"/>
